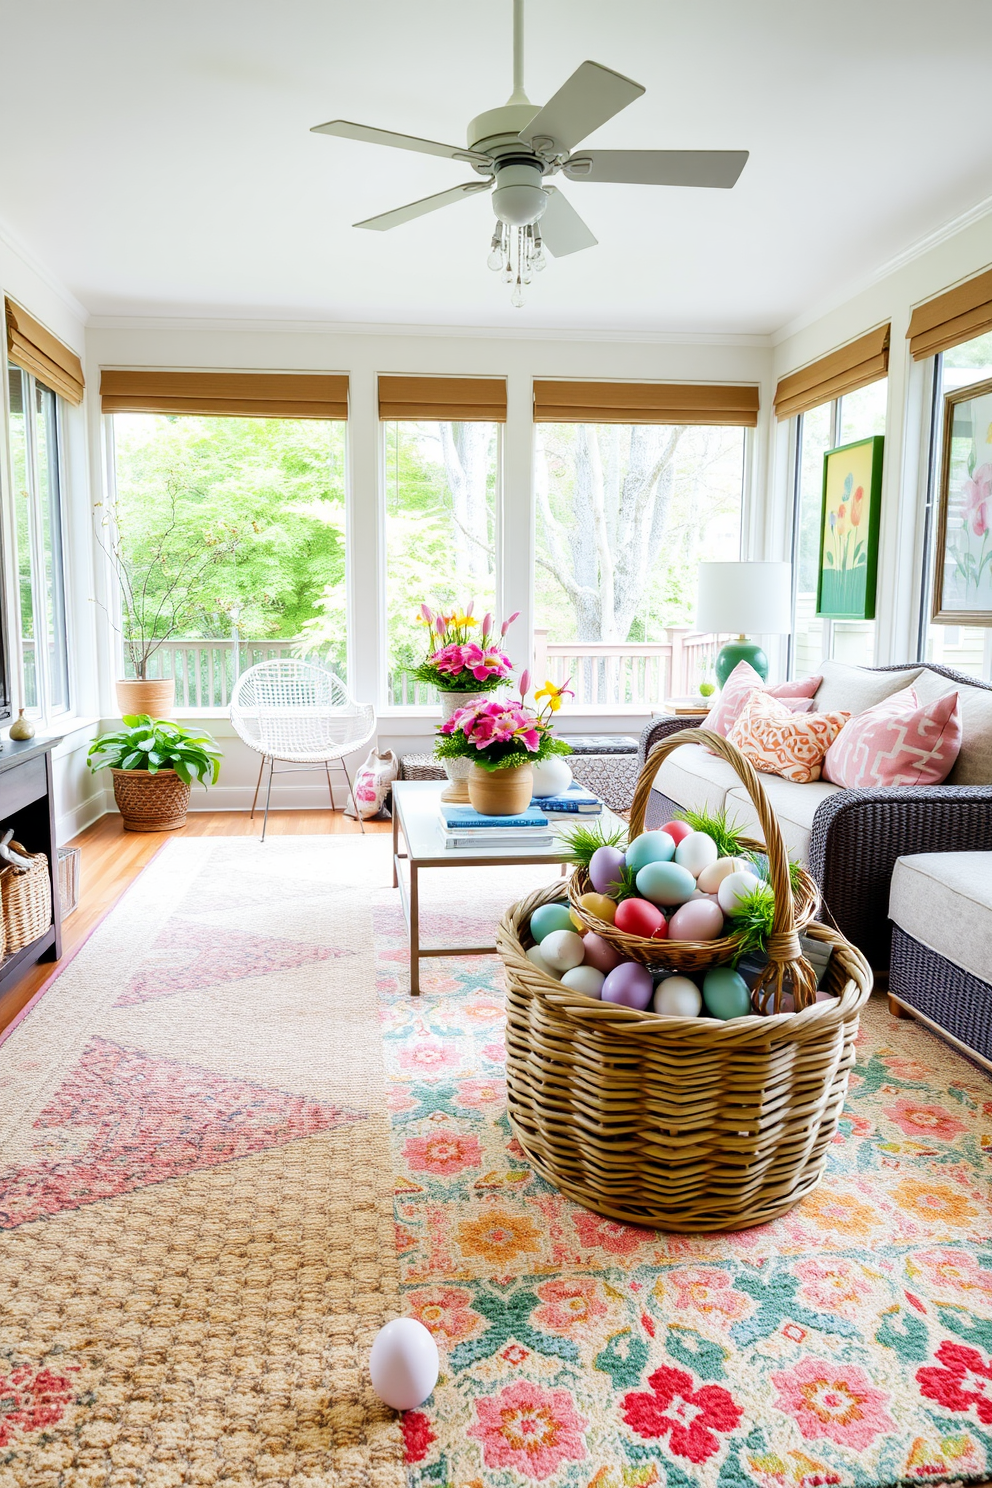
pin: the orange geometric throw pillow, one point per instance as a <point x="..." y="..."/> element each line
<point x="780" y="742"/>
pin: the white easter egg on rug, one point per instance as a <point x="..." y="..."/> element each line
<point x="403" y="1363"/>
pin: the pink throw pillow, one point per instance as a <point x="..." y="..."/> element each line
<point x="737" y="688"/>
<point x="897" y="742"/>
<point x="780" y="742"/>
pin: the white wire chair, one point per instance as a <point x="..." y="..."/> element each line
<point x="302" y="715"/>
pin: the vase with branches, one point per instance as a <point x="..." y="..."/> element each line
<point x="160" y="597"/>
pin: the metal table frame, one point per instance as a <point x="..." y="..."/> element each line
<point x="444" y="857"/>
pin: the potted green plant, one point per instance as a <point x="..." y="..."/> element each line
<point x="502" y="742"/>
<point x="154" y="762"/>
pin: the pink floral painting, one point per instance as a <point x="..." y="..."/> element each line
<point x="964" y="568"/>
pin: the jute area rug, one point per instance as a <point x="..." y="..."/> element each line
<point x="196" y="1230"/>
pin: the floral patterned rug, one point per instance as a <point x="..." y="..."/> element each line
<point x="847" y="1343"/>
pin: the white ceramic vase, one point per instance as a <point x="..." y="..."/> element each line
<point x="458" y="770"/>
<point x="552" y="776"/>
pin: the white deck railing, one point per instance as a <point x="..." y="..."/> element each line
<point x="603" y="673"/>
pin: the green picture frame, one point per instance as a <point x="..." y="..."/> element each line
<point x="847" y="573"/>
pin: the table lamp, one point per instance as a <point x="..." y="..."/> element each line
<point x="755" y="597"/>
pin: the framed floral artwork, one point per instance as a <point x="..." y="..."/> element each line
<point x="852" y="492"/>
<point x="962" y="579"/>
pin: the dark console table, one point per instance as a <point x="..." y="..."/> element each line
<point x="27" y="803"/>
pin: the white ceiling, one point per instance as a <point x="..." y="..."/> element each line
<point x="157" y="158"/>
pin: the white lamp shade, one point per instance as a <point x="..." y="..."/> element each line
<point x="746" y="598"/>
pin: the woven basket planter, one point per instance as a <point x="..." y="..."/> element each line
<point x="150" y="803"/>
<point x="688" y="956"/>
<point x="683" y="1124"/>
<point x="27" y="901"/>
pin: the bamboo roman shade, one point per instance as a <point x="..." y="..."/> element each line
<point x="953" y="317"/>
<point x="843" y="371"/>
<point x="317" y="395"/>
<point x="35" y="350"/>
<point x="479" y="399"/>
<point x="644" y="403"/>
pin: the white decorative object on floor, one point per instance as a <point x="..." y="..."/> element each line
<point x="403" y="1364"/>
<point x="552" y="776"/>
<point x="299" y="713"/>
<point x="372" y="785"/>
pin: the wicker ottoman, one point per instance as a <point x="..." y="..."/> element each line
<point x="420" y="767"/>
<point x="940" y="905"/>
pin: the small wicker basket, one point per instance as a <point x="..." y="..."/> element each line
<point x="150" y="802"/>
<point x="683" y="1124"/>
<point x="689" y="956"/>
<point x="27" y="900"/>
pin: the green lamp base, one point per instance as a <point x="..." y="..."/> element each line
<point x="737" y="651"/>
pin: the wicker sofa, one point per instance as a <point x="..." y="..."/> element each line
<point x="850" y="839"/>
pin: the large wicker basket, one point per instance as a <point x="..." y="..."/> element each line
<point x="150" y="802"/>
<point x="689" y="956"/>
<point x="27" y="900"/>
<point x="684" y="1124"/>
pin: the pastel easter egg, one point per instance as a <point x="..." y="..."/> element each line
<point x="535" y="955"/>
<point x="696" y="852"/>
<point x="548" y="917"/>
<point x="676" y="830"/>
<point x="403" y="1363"/>
<point x="677" y="997"/>
<point x="585" y="979"/>
<point x="599" y="905"/>
<point x="700" y="919"/>
<point x="734" y="888"/>
<point x="600" y="953"/>
<point x="604" y="868"/>
<point x="630" y="985"/>
<point x="712" y="877"/>
<point x="726" y="993"/>
<point x="650" y="847"/>
<point x="562" y="950"/>
<point x="638" y="917"/>
<point x="665" y="883"/>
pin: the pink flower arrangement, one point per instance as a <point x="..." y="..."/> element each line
<point x="463" y="655"/>
<point x="503" y="735"/>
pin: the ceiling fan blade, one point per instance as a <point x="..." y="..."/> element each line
<point x="562" y="228"/>
<point x="658" y="167"/>
<point x="591" y="95"/>
<point x="372" y="136"/>
<point x="420" y="208"/>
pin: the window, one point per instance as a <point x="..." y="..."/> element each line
<point x="39" y="558"/>
<point x="855" y="416"/>
<point x="625" y="512"/>
<point x="441" y="481"/>
<point x="967" y="648"/>
<point x="259" y="504"/>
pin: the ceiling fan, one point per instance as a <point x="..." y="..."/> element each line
<point x="516" y="148"/>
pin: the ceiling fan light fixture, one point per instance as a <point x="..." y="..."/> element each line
<point x="518" y="199"/>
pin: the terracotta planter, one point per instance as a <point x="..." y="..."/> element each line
<point x="157" y="698"/>
<point x="457" y="770"/>
<point x="151" y="803"/>
<point x="501" y="792"/>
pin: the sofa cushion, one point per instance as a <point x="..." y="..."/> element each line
<point x="856" y="688"/>
<point x="738" y="688"/>
<point x="897" y="742"/>
<point x="944" y="900"/>
<point x="794" y="805"/>
<point x="695" y="778"/>
<point x="779" y="742"/>
<point x="974" y="762"/>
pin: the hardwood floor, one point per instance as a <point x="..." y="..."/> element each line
<point x="113" y="858"/>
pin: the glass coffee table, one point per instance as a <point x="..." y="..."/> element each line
<point x="416" y="812"/>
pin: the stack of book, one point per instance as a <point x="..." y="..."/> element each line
<point x="463" y="826"/>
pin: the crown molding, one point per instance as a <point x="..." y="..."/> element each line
<point x="20" y="250"/>
<point x="220" y="324"/>
<point x="917" y="249"/>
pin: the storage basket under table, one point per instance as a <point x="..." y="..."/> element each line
<point x="26" y="893"/>
<point x="684" y="1124"/>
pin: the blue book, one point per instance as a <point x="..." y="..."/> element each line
<point x="455" y="817"/>
<point x="577" y="799"/>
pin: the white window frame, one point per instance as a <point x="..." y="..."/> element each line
<point x="45" y="708"/>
